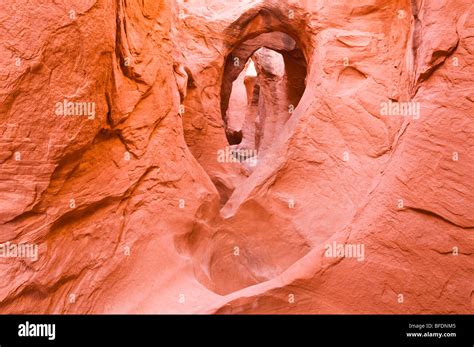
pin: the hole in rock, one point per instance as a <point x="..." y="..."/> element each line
<point x="263" y="82"/>
<point x="260" y="86"/>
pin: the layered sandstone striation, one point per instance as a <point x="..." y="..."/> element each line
<point x="213" y="156"/>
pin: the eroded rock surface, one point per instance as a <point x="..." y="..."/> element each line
<point x="123" y="127"/>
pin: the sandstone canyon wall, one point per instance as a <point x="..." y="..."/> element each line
<point x="247" y="156"/>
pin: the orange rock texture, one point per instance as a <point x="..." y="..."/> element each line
<point x="247" y="156"/>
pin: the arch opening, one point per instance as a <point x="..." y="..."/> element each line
<point x="260" y="86"/>
<point x="263" y="82"/>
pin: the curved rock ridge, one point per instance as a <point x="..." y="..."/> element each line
<point x="250" y="156"/>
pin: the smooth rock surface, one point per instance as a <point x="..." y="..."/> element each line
<point x="136" y="205"/>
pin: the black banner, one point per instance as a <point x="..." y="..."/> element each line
<point x="389" y="330"/>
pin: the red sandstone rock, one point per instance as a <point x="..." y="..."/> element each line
<point x="132" y="208"/>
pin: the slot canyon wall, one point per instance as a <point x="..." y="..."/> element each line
<point x="247" y="156"/>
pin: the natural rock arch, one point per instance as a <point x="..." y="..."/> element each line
<point x="289" y="88"/>
<point x="270" y="27"/>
